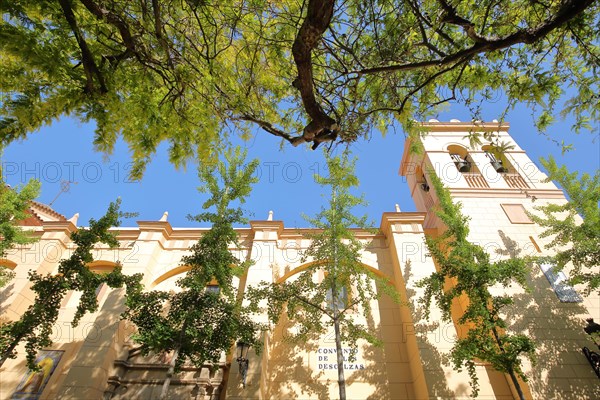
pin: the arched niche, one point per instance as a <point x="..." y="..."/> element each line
<point x="102" y="266"/>
<point x="6" y="263"/>
<point x="179" y="270"/>
<point x="458" y="150"/>
<point x="174" y="274"/>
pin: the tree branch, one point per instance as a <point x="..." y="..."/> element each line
<point x="267" y="126"/>
<point x="87" y="58"/>
<point x="450" y="16"/>
<point x="437" y="30"/>
<point x="568" y="11"/>
<point x="308" y="303"/>
<point x="309" y="35"/>
<point x="158" y="31"/>
<point x="114" y="20"/>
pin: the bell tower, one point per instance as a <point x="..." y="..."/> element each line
<point x="498" y="185"/>
<point x="483" y="175"/>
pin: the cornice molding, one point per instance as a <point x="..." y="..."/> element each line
<point x="461" y="126"/>
<point x="66" y="227"/>
<point x="516" y="193"/>
<point x="267" y="226"/>
<point x="390" y="218"/>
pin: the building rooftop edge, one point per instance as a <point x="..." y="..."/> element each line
<point x="437" y="126"/>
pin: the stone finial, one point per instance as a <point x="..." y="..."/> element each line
<point x="270" y="217"/>
<point x="455" y="120"/>
<point x="495" y="120"/>
<point x="397" y="208"/>
<point x="164" y="217"/>
<point x="74" y="219"/>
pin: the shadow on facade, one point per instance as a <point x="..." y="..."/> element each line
<point x="11" y="383"/>
<point x="379" y="370"/>
<point x="431" y="358"/>
<point x="557" y="329"/>
<point x="88" y="351"/>
<point x="92" y="358"/>
<point x="289" y="372"/>
<point x="132" y="375"/>
<point x="5" y="294"/>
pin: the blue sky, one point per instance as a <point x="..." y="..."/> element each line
<point x="63" y="151"/>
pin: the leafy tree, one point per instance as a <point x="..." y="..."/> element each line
<point x="14" y="203"/>
<point x="196" y="324"/>
<point x="191" y="72"/>
<point x="35" y="325"/>
<point x="5" y="276"/>
<point x="347" y="286"/>
<point x="576" y="242"/>
<point x="465" y="270"/>
<point x="13" y="209"/>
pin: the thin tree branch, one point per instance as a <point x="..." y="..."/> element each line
<point x="158" y="31"/>
<point x="303" y="300"/>
<point x="451" y="17"/>
<point x="87" y="58"/>
<point x="568" y="11"/>
<point x="267" y="126"/>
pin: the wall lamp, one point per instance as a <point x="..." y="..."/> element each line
<point x="242" y="359"/>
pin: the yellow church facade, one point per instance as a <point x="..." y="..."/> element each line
<point x="97" y="360"/>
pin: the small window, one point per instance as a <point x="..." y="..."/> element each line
<point x="213" y="289"/>
<point x="516" y="213"/>
<point x="421" y="180"/>
<point x="558" y="281"/>
<point x="342" y="299"/>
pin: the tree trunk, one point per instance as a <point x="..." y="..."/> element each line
<point x="170" y="371"/>
<point x="338" y="337"/>
<point x="6" y="353"/>
<point x="517" y="385"/>
<point x="336" y="312"/>
<point x="340" y="358"/>
<point x="513" y="377"/>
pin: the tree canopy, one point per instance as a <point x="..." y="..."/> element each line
<point x="200" y="334"/>
<point x="575" y="242"/>
<point x="35" y="325"/>
<point x="14" y="204"/>
<point x="193" y="72"/>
